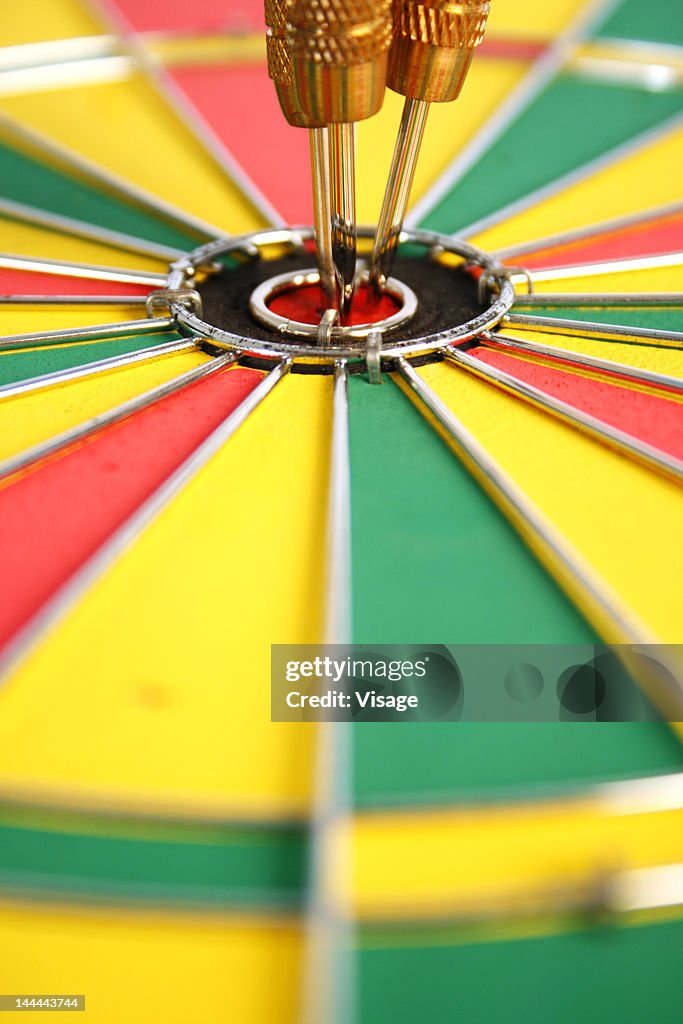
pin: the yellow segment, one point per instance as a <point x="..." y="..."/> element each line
<point x="39" y="20"/>
<point x="31" y="240"/>
<point x="624" y="519"/>
<point x="168" y="655"/>
<point x="653" y="279"/>
<point x="432" y="863"/>
<point x="128" y="128"/>
<point x="642" y="181"/>
<point x="642" y="357"/>
<point x="148" y="966"/>
<point x="449" y="128"/>
<point x="32" y="319"/>
<point x="27" y="419"/>
<point x="538" y="19"/>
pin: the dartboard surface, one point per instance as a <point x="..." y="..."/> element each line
<point x="180" y="489"/>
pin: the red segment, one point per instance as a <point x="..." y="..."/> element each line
<point x="56" y="515"/>
<point x="240" y="104"/>
<point x="658" y="421"/>
<point x="647" y="238"/>
<point x="307" y="305"/>
<point x="511" y="49"/>
<point x="235" y="16"/>
<point x="199" y="16"/>
<point x="26" y="282"/>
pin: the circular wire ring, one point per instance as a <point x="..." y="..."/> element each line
<point x="258" y="304"/>
<point x="252" y="245"/>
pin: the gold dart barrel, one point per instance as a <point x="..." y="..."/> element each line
<point x="280" y="67"/>
<point x="340" y="50"/>
<point x="433" y="45"/>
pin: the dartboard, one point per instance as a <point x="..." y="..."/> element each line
<point x="179" y="492"/>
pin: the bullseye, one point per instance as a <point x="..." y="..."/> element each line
<point x="307" y="304"/>
<point x="294" y="304"/>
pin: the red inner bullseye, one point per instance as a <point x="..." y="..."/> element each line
<point x="307" y="305"/>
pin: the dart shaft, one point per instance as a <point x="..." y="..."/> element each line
<point x="322" y="211"/>
<point x="343" y="175"/>
<point x="397" y="193"/>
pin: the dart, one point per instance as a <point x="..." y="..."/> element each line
<point x="431" y="52"/>
<point x="339" y="54"/>
<point x="281" y="71"/>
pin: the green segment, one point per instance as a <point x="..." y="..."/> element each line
<point x="571" y="123"/>
<point x="25" y="180"/>
<point x="434" y="560"/>
<point x="467" y="761"/>
<point x="20" y="365"/>
<point x="627" y="974"/>
<point x="658" y="21"/>
<point x="651" y="318"/>
<point x="236" y="866"/>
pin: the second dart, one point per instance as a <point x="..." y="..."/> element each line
<point x="331" y="61"/>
